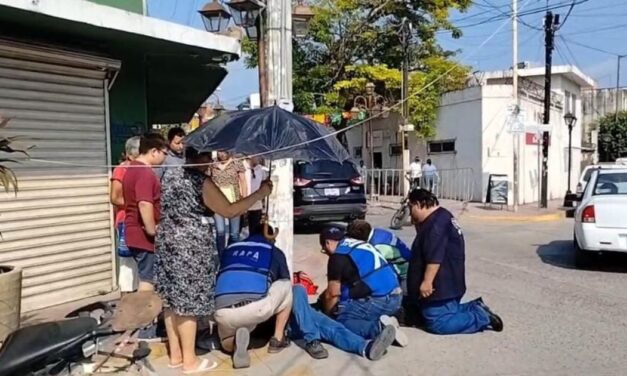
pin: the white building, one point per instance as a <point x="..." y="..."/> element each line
<point x="473" y="130"/>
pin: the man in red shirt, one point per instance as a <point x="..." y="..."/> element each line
<point x="142" y="199"/>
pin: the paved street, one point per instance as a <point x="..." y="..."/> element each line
<point x="558" y="320"/>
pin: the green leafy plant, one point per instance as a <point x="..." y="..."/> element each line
<point x="8" y="179"/>
<point x="612" y="136"/>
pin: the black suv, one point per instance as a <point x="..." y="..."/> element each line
<point x="326" y="191"/>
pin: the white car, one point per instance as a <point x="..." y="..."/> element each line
<point x="587" y="172"/>
<point x="601" y="216"/>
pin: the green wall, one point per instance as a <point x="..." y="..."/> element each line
<point x="135" y="6"/>
<point x="127" y="101"/>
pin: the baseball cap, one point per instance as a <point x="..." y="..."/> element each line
<point x="331" y="233"/>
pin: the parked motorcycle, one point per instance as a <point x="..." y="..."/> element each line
<point x="401" y="216"/>
<point x="83" y="342"/>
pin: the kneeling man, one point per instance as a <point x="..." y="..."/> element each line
<point x="253" y="285"/>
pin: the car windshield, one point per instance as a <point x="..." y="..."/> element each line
<point x="611" y="184"/>
<point x="325" y="169"/>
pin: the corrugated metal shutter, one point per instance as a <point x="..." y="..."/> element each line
<point x="58" y="226"/>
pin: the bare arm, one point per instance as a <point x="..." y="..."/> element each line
<point x="243" y="184"/>
<point x="426" y="288"/>
<point x="147" y="213"/>
<point x="214" y="199"/>
<point x="117" y="194"/>
<point x="331" y="297"/>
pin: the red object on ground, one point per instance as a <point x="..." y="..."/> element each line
<point x="304" y="280"/>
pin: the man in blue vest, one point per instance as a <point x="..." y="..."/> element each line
<point x="253" y="285"/>
<point x="363" y="290"/>
<point x="437" y="274"/>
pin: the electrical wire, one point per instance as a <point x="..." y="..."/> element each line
<point x="588" y="47"/>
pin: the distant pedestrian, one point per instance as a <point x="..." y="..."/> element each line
<point x="127" y="274"/>
<point x="430" y="175"/>
<point x="174" y="157"/>
<point x="229" y="175"/>
<point x="437" y="275"/>
<point x="186" y="253"/>
<point x="362" y="169"/>
<point x="415" y="173"/>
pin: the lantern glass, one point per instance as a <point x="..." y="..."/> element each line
<point x="245" y="12"/>
<point x="215" y="17"/>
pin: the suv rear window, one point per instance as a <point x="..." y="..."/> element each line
<point x="325" y="169"/>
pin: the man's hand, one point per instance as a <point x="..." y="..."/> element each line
<point x="426" y="289"/>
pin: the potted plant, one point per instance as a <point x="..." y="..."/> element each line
<point x="10" y="276"/>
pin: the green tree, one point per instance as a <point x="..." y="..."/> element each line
<point x="612" y="136"/>
<point x="351" y="42"/>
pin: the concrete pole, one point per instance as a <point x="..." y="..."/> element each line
<point x="515" y="135"/>
<point x="279" y="84"/>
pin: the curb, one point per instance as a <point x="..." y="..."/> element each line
<point x="520" y="218"/>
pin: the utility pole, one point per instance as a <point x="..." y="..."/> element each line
<point x="550" y="24"/>
<point x="261" y="64"/>
<point x="618" y="59"/>
<point x="279" y="91"/>
<point x="405" y="38"/>
<point x="515" y="135"/>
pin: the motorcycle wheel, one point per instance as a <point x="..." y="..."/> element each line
<point x="399" y="218"/>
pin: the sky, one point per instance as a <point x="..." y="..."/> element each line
<point x="593" y="26"/>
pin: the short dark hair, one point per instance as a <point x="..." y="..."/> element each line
<point x="256" y="228"/>
<point x="428" y="161"/>
<point x="149" y="141"/>
<point x="424" y="198"/>
<point x="175" y="132"/>
<point x="359" y="229"/>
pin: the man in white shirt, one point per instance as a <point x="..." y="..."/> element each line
<point x="430" y="173"/>
<point x="415" y="172"/>
<point x="258" y="173"/>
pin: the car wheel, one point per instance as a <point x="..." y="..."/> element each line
<point x="583" y="258"/>
<point x="399" y="218"/>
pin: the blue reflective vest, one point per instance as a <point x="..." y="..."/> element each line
<point x="379" y="236"/>
<point x="245" y="269"/>
<point x="374" y="271"/>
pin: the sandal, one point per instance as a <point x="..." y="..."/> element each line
<point x="204" y="366"/>
<point x="175" y="366"/>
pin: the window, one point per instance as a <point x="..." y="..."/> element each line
<point x="395" y="149"/>
<point x="441" y="146"/>
<point x="358" y="152"/>
<point x="611" y="184"/>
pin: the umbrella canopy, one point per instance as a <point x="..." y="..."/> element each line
<point x="271" y="130"/>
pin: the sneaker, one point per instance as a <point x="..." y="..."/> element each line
<point x="276" y="346"/>
<point x="496" y="323"/>
<point x="378" y="346"/>
<point x="401" y="338"/>
<point x="316" y="350"/>
<point x="241" y="358"/>
<point x="149" y="334"/>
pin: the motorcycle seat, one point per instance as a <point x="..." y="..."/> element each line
<point x="28" y="346"/>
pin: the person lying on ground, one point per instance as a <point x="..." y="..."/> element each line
<point x="363" y="291"/>
<point x="253" y="285"/>
<point x="315" y="327"/>
<point x="436" y="273"/>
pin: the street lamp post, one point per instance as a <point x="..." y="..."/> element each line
<point x="249" y="15"/>
<point x="374" y="105"/>
<point x="570" y="121"/>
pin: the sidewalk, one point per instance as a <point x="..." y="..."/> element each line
<point x="525" y="213"/>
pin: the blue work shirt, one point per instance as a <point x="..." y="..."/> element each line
<point x="439" y="241"/>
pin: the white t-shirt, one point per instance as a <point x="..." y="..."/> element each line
<point x="415" y="169"/>
<point x="429" y="170"/>
<point x="254" y="182"/>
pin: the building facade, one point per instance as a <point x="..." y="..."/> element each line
<point x="473" y="131"/>
<point x="77" y="79"/>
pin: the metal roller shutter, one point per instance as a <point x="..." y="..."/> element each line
<point x="58" y="227"/>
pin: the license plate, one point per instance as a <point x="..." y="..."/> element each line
<point x="332" y="192"/>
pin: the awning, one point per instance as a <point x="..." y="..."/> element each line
<point x="183" y="64"/>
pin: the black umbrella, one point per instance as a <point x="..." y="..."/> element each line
<point x="270" y="131"/>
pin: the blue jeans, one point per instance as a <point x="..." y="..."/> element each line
<point x="452" y="317"/>
<point x="234" y="230"/>
<point x="311" y="325"/>
<point x="361" y="316"/>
